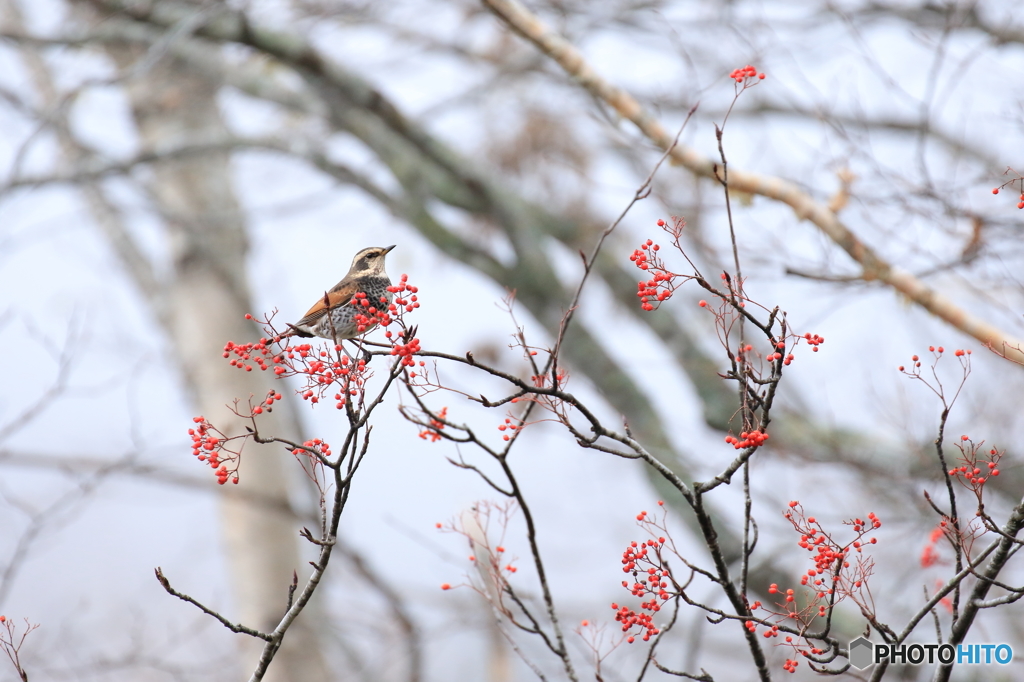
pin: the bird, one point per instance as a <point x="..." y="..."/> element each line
<point x="333" y="317"/>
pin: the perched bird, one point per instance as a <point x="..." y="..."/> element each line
<point x="334" y="315"/>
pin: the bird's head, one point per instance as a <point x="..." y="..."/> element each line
<point x="370" y="261"/>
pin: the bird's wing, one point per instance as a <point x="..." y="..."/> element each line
<point x="341" y="294"/>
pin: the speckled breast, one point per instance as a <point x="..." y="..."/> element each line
<point x="343" y="318"/>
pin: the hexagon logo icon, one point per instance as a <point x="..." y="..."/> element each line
<point x="861" y="653"/>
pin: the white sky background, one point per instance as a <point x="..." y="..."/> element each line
<point x="88" y="578"/>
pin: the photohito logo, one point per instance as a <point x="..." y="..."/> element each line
<point x="863" y="652"/>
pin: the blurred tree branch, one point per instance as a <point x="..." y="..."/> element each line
<point x="804" y="206"/>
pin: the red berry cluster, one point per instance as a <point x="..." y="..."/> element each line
<point x="747" y="439"/>
<point x="316" y="445"/>
<point x="630" y="619"/>
<point x="405" y="294"/>
<point x="774" y="630"/>
<point x="352" y="377"/>
<point x="777" y="355"/>
<point x="434" y="432"/>
<point x="661" y="285"/>
<point x="748" y="71"/>
<point x="207" y="444"/>
<point x="937" y="351"/>
<point x="406" y="351"/>
<point x="211" y="446"/>
<point x="509" y="426"/>
<point x="830" y="554"/>
<point x="859" y="525"/>
<point x="929" y="555"/>
<point x="958" y="352"/>
<point x="640" y="258"/>
<point x="971" y="474"/>
<point x="245" y="353"/>
<point x="833" y="578"/>
<point x="651" y="578"/>
<point x="318" y="367"/>
<point x="321" y="369"/>
<point x="814" y="341"/>
<point x="830" y="557"/>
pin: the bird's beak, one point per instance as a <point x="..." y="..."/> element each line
<point x="388" y="249"/>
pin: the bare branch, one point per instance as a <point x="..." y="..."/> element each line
<point x="234" y="627"/>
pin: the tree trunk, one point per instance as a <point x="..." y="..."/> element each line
<point x="207" y="298"/>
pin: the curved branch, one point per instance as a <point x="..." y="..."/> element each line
<point x="528" y="25"/>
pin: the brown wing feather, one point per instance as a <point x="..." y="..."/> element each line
<point x="341" y="294"/>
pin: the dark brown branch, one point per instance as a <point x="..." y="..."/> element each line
<point x="234" y="627"/>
